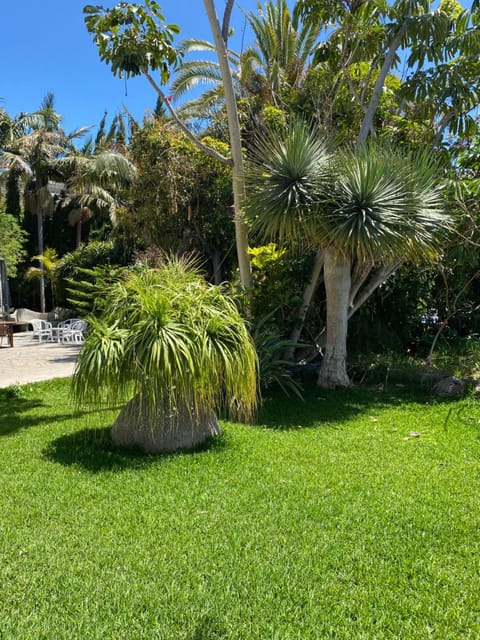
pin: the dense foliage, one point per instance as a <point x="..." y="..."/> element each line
<point x="182" y="199"/>
<point x="404" y="71"/>
<point x="12" y="240"/>
<point x="174" y="349"/>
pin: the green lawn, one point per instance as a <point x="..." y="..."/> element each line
<point x="326" y="519"/>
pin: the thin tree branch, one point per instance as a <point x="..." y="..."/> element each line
<point x="238" y="179"/>
<point x="449" y="315"/>
<point x="226" y="20"/>
<point x="306" y="300"/>
<point x="377" y="90"/>
<point x="359" y="276"/>
<point x="378" y="278"/>
<point x="211" y="152"/>
<point x="354" y="92"/>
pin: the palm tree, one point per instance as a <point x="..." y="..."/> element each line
<point x="38" y="142"/>
<point x="94" y="180"/>
<point x="7" y="128"/>
<point x="193" y="73"/>
<point x="276" y="62"/>
<point x="175" y="350"/>
<point x="366" y="210"/>
<point x="96" y="175"/>
<point x="49" y="264"/>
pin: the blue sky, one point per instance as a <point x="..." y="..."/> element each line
<point x="45" y="47"/>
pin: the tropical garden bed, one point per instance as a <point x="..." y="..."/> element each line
<point x="352" y="514"/>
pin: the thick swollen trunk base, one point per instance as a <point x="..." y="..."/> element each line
<point x="137" y="426"/>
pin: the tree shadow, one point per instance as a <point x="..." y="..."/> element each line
<point x="208" y="628"/>
<point x="16" y="414"/>
<point x="12" y="413"/>
<point x="94" y="451"/>
<point x="329" y="408"/>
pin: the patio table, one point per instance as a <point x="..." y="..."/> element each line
<point x="57" y="333"/>
<point x="6" y="329"/>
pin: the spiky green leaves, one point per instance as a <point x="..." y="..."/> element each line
<point x="175" y="340"/>
<point x="371" y="203"/>
<point x="284" y="183"/>
<point x="383" y="206"/>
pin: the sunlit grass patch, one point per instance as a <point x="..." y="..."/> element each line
<point x="352" y="514"/>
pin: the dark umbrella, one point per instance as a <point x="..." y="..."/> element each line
<point x="5" y="300"/>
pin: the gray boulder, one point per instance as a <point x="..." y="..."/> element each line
<point x="449" y="387"/>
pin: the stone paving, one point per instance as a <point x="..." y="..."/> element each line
<point x="31" y="361"/>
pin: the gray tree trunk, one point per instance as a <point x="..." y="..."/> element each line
<point x="367" y="123"/>
<point x="238" y="180"/>
<point x="337" y="278"/>
<point x="217" y="266"/>
<point x="39" y="215"/>
<point x="306" y="300"/>
<point x="78" y="234"/>
<point x="138" y="426"/>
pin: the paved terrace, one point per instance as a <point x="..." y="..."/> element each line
<point x="31" y="361"/>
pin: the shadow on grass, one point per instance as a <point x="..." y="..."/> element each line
<point x="330" y="407"/>
<point x="93" y="450"/>
<point x="19" y="414"/>
<point x="209" y="628"/>
<point x="12" y="414"/>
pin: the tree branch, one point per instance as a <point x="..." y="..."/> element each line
<point x="367" y="123"/>
<point x="226" y="20"/>
<point x="211" y="152"/>
<point x="450" y="314"/>
<point x="238" y="179"/>
<point x="378" y="278"/>
<point x="359" y="276"/>
<point x="307" y="298"/>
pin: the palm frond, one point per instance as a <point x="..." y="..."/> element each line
<point x="195" y="73"/>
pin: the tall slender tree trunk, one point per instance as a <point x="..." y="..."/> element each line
<point x="367" y="123"/>
<point x="238" y="179"/>
<point x="217" y="266"/>
<point x="306" y="300"/>
<point x="337" y="278"/>
<point x="39" y="215"/>
<point x="78" y="234"/>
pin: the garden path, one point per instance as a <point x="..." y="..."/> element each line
<point x="31" y="361"/>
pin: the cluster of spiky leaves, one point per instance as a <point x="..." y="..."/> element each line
<point x="285" y="179"/>
<point x="383" y="206"/>
<point x="170" y="337"/>
<point x="370" y="202"/>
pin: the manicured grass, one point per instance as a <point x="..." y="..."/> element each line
<point x="326" y="519"/>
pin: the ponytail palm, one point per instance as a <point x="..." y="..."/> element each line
<point x="366" y="210"/>
<point x="176" y="351"/>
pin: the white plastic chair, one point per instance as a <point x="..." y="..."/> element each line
<point x="41" y="329"/>
<point x="74" y="332"/>
<point x="63" y="328"/>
